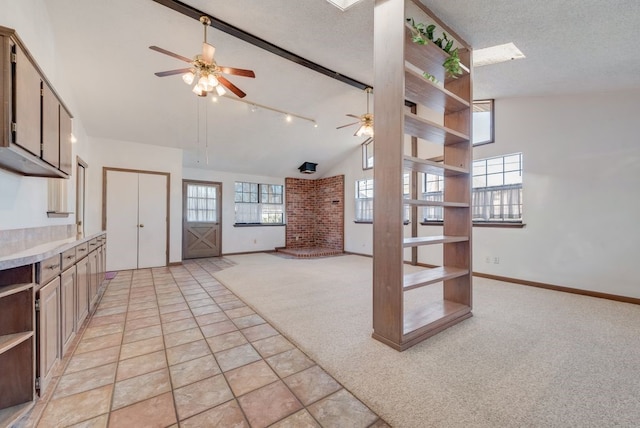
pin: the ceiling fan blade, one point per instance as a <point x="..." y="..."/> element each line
<point x="237" y="71"/>
<point x="233" y="88"/>
<point x="353" y="115"/>
<point x="172" y="72"/>
<point x="166" y="52"/>
<point x="207" y="52"/>
<point x="349" y="124"/>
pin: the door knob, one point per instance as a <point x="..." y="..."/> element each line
<point x="141" y="225"/>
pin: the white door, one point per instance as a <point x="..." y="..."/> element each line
<point x="152" y="217"/>
<point x="136" y="214"/>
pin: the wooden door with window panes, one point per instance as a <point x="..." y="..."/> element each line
<point x="201" y="216"/>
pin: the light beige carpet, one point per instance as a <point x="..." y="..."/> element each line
<point x="528" y="358"/>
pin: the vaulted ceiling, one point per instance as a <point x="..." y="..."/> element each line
<point x="571" y="46"/>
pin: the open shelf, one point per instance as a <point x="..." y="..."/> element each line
<point x="428" y="57"/>
<point x="9" y="341"/>
<point x="422" y="91"/>
<point x="431" y="317"/>
<point x="13" y="288"/>
<point x="431" y="276"/>
<point x="431" y="240"/>
<point x="10" y="415"/>
<point x="431" y="131"/>
<point x="423" y="203"/>
<point x="431" y="167"/>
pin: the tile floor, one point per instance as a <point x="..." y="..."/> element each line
<point x="170" y="347"/>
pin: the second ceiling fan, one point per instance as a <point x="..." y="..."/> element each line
<point x="204" y="70"/>
<point x="365" y="121"/>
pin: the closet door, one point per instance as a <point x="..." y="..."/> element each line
<point x="122" y="220"/>
<point x="152" y="220"/>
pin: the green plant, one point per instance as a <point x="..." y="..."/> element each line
<point x="421" y="35"/>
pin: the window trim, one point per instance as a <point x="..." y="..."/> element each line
<point x="492" y="122"/>
<point x="260" y="203"/>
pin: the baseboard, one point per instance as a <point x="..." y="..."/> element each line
<point x="175" y="264"/>
<point x="358" y="254"/>
<point x="248" y="252"/>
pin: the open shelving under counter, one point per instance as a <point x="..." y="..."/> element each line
<point x="431" y="276"/>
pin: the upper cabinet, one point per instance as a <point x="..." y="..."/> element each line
<point x="35" y="125"/>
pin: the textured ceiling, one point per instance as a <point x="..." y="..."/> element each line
<point x="571" y="46"/>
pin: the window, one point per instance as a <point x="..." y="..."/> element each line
<point x="259" y="203"/>
<point x="496" y="194"/>
<point x="497" y="189"/>
<point x="367" y="154"/>
<point x="364" y="200"/>
<point x="202" y="203"/>
<point x="483" y="122"/>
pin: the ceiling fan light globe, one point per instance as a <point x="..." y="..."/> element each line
<point x="367" y="130"/>
<point x="197" y="89"/>
<point x="205" y="84"/>
<point x="220" y="90"/>
<point x="212" y="81"/>
<point x="188" y="77"/>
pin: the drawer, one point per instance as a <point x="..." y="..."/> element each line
<point x="93" y="244"/>
<point x="82" y="250"/>
<point x="68" y="258"/>
<point x="48" y="269"/>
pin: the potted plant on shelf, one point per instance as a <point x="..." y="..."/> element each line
<point x="422" y="34"/>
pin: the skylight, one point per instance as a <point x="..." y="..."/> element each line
<point x="343" y="4"/>
<point x="496" y="54"/>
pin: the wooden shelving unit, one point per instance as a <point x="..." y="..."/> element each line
<point x="398" y="77"/>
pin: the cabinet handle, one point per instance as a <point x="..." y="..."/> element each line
<point x="82" y="249"/>
<point x="141" y="225"/>
<point x="93" y="244"/>
<point x="71" y="257"/>
<point x="52" y="267"/>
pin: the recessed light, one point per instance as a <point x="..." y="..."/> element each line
<point x="496" y="54"/>
<point x="343" y="4"/>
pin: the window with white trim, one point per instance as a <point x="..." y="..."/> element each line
<point x="257" y="203"/>
<point x="364" y="199"/>
<point x="496" y="194"/>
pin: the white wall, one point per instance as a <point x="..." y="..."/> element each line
<point x="143" y="157"/>
<point x="240" y="239"/>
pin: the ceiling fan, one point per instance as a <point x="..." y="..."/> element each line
<point x="365" y="121"/>
<point x="204" y="70"/>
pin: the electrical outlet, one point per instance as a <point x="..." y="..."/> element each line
<point x="496" y="260"/>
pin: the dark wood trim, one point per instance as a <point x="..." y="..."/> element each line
<point x="225" y="27"/>
<point x="504" y="225"/>
<point x="598" y="294"/>
<point x="105" y="169"/>
<point x="175" y="264"/>
<point x="351" y="253"/>
<point x="248" y="252"/>
<point x="186" y="181"/>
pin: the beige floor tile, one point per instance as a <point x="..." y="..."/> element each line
<point x="182" y="337"/>
<point x="301" y="419"/>
<point x="248" y="321"/>
<point x="142" y="333"/>
<point x="101" y="342"/>
<point x="107" y="320"/>
<point x="85" y="380"/>
<point x="200" y="396"/>
<point x="140" y="388"/>
<point x="92" y="359"/>
<point x="174" y="316"/>
<point x="206" y="310"/>
<point x="236" y="357"/>
<point x="311" y="384"/>
<point x="192" y="371"/>
<point x="250" y="377"/>
<point x="240" y="312"/>
<point x="224" y="415"/>
<point x="218" y="328"/>
<point x="77" y="408"/>
<point x="102" y="330"/>
<point x="97" y="422"/>
<point x="179" y="325"/>
<point x="170" y="301"/>
<point x="289" y="362"/>
<point x="269" y="404"/>
<point x="259" y="332"/>
<point x="142" y="322"/>
<point x="142" y="305"/>
<point x="380" y="424"/>
<point x="140" y="365"/>
<point x="155" y="412"/>
<point x="233" y="304"/>
<point x="142" y="313"/>
<point x="227" y="297"/>
<point x="341" y="410"/>
<point x="272" y="345"/>
<point x="141" y="347"/>
<point x="173" y="308"/>
<point x="211" y="318"/>
<point x="187" y="352"/>
<point x="226" y="341"/>
<point x="110" y="311"/>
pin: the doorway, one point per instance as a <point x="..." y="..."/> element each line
<point x="136" y="218"/>
<point x="81" y="185"/>
<point x="201" y="219"/>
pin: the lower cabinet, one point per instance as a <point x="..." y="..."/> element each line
<point x="82" y="289"/>
<point x="93" y="279"/>
<point x="68" y="308"/>
<point x="48" y="331"/>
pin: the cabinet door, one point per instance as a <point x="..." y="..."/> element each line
<point x="27" y="109"/>
<point x="66" y="163"/>
<point x="93" y="279"/>
<point x="82" y="291"/>
<point x="68" y="307"/>
<point x="50" y="127"/>
<point x="48" y="331"/>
